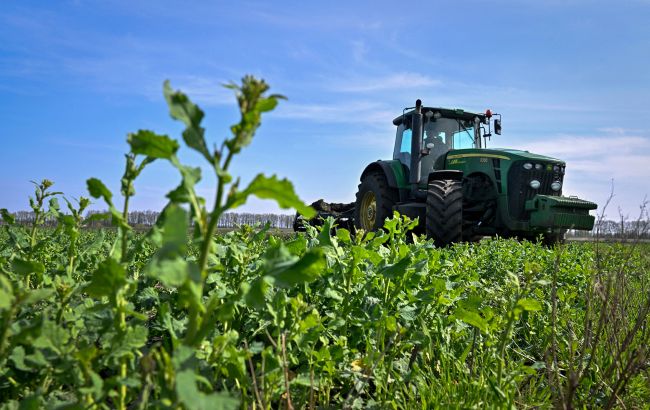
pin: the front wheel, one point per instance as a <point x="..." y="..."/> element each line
<point x="445" y="211"/>
<point x="375" y="201"/>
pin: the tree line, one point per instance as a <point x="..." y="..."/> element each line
<point x="148" y="218"/>
<point x="623" y="228"/>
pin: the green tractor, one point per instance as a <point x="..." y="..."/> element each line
<point x="443" y="174"/>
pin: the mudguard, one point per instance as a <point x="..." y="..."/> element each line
<point x="397" y="175"/>
<point x="392" y="169"/>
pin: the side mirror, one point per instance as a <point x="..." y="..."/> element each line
<point x="497" y="127"/>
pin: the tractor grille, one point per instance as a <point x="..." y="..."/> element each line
<point x="519" y="190"/>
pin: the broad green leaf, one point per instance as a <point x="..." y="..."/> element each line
<point x="471" y="318"/>
<point x="36" y="295"/>
<point x="343" y="235"/>
<point x="24" y="267"/>
<point x="361" y="254"/>
<point x="310" y="266"/>
<point x="333" y="294"/>
<point x="266" y="104"/>
<point x="529" y="304"/>
<point x="310" y="321"/>
<point x="175" y="228"/>
<point x="397" y="269"/>
<point x="180" y="106"/>
<point x="107" y="279"/>
<point x="145" y="142"/>
<point x="18" y="357"/>
<point x="272" y="188"/>
<point x="391" y="323"/>
<point x="380" y="239"/>
<point x="472" y="302"/>
<point x="31" y="402"/>
<point x="7" y="217"/>
<point x="182" y="109"/>
<point x="97" y="189"/>
<point x="127" y="343"/>
<point x="297" y="246"/>
<point x="255" y="294"/>
<point x="53" y="337"/>
<point x="189" y="394"/>
<point x="170" y="272"/>
<point x="324" y="236"/>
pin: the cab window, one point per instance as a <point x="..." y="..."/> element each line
<point x="464" y="138"/>
<point x="406" y="141"/>
<point x="402" y="151"/>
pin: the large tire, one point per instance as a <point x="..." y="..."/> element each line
<point x="375" y="201"/>
<point x="445" y="211"/>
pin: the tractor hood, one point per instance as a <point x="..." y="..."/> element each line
<point x="519" y="154"/>
<point x="506" y="154"/>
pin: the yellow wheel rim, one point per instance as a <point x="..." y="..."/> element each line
<point x="368" y="211"/>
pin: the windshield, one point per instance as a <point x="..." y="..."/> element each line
<point x="455" y="134"/>
<point x="441" y="136"/>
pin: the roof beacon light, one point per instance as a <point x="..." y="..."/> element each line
<point x="488" y="113"/>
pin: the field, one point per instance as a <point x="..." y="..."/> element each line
<point x="320" y="321"/>
<point x="182" y="317"/>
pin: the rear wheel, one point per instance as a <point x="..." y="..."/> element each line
<point x="445" y="211"/>
<point x="375" y="200"/>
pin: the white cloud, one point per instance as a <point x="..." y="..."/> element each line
<point x="397" y="81"/>
<point x="615" y="155"/>
<point x="346" y="112"/>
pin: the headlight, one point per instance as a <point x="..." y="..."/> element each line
<point x="556" y="186"/>
<point x="556" y="168"/>
<point x="539" y="166"/>
<point x="528" y="165"/>
<point x="535" y="184"/>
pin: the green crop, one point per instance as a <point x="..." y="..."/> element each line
<point x="179" y="317"/>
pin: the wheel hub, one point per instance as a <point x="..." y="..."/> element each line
<point x="368" y="211"/>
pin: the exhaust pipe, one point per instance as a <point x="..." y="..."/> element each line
<point x="416" y="147"/>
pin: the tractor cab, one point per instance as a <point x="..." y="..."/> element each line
<point x="443" y="130"/>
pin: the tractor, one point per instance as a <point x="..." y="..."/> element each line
<point x="443" y="174"/>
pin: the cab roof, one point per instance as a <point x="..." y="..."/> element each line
<point x="454" y="113"/>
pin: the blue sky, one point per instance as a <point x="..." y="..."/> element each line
<point x="570" y="78"/>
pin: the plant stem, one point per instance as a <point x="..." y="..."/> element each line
<point x="122" y="405"/>
<point x="286" y="371"/>
<point x="214" y="218"/>
<point x="217" y="210"/>
<point x="125" y="215"/>
<point x="506" y="335"/>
